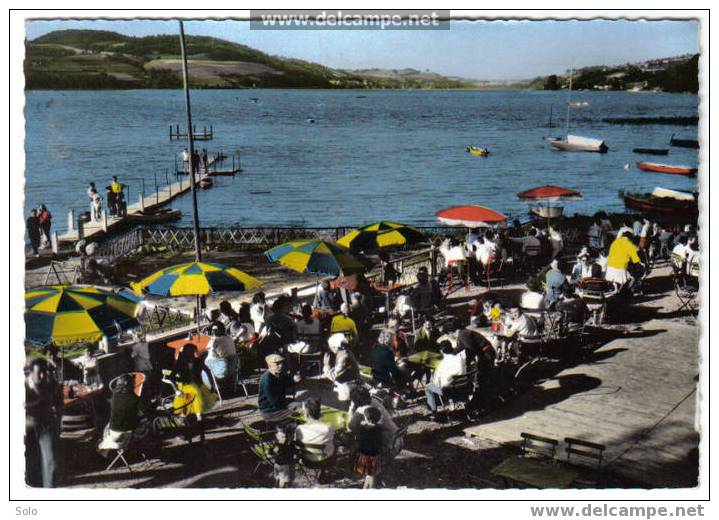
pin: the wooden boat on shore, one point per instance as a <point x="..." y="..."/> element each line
<point x="663" y="201"/>
<point x="666" y="168"/>
<point x="154" y="217"/>
<point x="576" y="143"/>
<point x="652" y="151"/>
<point x="546" y="211"/>
<point x="684" y="143"/>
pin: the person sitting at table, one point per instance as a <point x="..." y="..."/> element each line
<point x="220" y="344"/>
<point x="227" y="314"/>
<point x="325" y="298"/>
<point x="516" y="326"/>
<point x="315" y="433"/>
<point x="453" y="364"/>
<point x="343" y="324"/>
<point x="283" y="455"/>
<point x="345" y="369"/>
<point x="280" y="321"/>
<point x="369" y="447"/>
<point x="243" y="329"/>
<point x="192" y="396"/>
<point x="275" y="384"/>
<point x="421" y="296"/>
<point x="360" y="400"/>
<point x="582" y="268"/>
<point x="358" y="312"/>
<point x="258" y="310"/>
<point x="427" y="335"/>
<point x="383" y="363"/>
<point x="533" y="298"/>
<point x="127" y="412"/>
<point x="389" y="273"/>
<point x="573" y="309"/>
<point x="554" y="281"/>
<point x="307" y="325"/>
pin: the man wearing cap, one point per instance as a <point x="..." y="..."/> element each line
<point x="275" y="384"/>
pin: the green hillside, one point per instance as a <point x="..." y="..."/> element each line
<point x="86" y="59"/>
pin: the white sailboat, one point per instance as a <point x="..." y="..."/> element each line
<point x="576" y="143"/>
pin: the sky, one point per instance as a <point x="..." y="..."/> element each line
<point x="483" y="50"/>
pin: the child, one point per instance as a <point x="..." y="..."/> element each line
<point x="283" y="456"/>
<point x="369" y="446"/>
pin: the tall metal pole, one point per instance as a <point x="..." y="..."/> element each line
<point x="186" y="83"/>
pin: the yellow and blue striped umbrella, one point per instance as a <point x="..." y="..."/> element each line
<point x="196" y="279"/>
<point x="64" y="314"/>
<point x="380" y="235"/>
<point x="316" y="257"/>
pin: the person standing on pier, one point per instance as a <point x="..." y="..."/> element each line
<point x="186" y="161"/>
<point x="204" y="159"/>
<point x="45" y="218"/>
<point x="195" y="162"/>
<point x="33" y="231"/>
<point x="117" y="189"/>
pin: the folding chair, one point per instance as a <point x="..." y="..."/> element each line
<point x="459" y="391"/>
<point x="124" y="444"/>
<point x="458" y="273"/>
<point x="493" y="272"/>
<point x="313" y="469"/>
<point x="686" y="286"/>
<point x="587" y="454"/>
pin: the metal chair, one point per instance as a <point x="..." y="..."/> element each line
<point x="493" y="272"/>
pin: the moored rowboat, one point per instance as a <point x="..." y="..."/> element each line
<point x="666" y="168"/>
<point x="652" y="151"/>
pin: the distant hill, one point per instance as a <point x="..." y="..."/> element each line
<point x="88" y="59"/>
<point x="676" y="74"/>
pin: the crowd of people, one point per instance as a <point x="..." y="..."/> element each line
<point x="313" y="349"/>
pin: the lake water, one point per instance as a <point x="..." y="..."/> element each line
<point x="369" y="155"/>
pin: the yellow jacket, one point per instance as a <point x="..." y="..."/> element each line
<point x="621" y="252"/>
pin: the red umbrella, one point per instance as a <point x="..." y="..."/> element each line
<point x="550" y="194"/>
<point x="471" y="217"/>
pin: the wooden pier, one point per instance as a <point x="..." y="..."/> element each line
<point x="205" y="135"/>
<point x="212" y="167"/>
<point x="135" y="212"/>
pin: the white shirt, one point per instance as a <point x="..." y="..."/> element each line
<point x="221" y="347"/>
<point x="451" y="366"/>
<point x="521" y="326"/>
<point x="454" y="254"/>
<point x="645" y="230"/>
<point x="185" y="156"/>
<point x="532" y="300"/>
<point x="681" y="250"/>
<point x="258" y="313"/>
<point x="316" y="432"/>
<point x="487" y="250"/>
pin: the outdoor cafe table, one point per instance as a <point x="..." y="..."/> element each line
<point x="80" y="393"/>
<point x="199" y="340"/>
<point x="425" y="358"/>
<point x="333" y="417"/>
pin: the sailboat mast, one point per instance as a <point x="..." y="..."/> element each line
<point x="569" y="97"/>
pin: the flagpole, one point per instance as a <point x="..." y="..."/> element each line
<point x="193" y="179"/>
<point x="190" y="140"/>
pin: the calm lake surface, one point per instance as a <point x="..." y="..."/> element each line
<point x="369" y="155"/>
